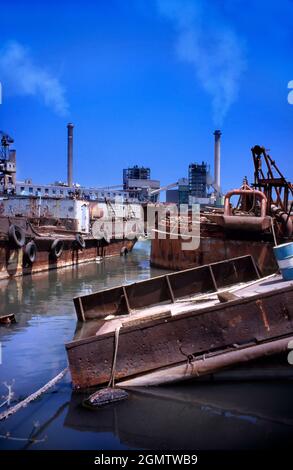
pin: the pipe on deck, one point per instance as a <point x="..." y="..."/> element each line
<point x="240" y="192"/>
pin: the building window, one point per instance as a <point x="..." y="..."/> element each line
<point x="31" y="190"/>
<point x="54" y="191"/>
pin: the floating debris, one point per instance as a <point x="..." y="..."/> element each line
<point x="7" y="319"/>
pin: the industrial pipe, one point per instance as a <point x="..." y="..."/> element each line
<point x="250" y="192"/>
<point x="284" y="219"/>
<point x="208" y="365"/>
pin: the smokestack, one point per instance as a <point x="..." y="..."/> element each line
<point x="69" y="153"/>
<point x="217" y="162"/>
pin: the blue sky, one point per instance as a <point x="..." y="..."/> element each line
<point x="145" y="82"/>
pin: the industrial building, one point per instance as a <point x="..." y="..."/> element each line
<point x="25" y="188"/>
<point x="180" y="195"/>
<point x="200" y="187"/>
<point x="7" y="164"/>
<point x="197" y="179"/>
<point x="191" y="190"/>
<point x="138" y="184"/>
<point x="136" y="173"/>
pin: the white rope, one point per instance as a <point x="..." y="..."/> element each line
<point x="112" y="377"/>
<point x="33" y="396"/>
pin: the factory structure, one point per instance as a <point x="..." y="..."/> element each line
<point x="200" y="187"/>
<point x="137" y="185"/>
<point x="7" y="164"/>
<point x="197" y="180"/>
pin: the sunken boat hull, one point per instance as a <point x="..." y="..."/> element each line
<point x="175" y="337"/>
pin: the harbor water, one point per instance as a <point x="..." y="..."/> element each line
<point x="215" y="415"/>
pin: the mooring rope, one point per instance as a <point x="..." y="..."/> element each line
<point x="113" y="370"/>
<point x="273" y="231"/>
<point x="13" y="409"/>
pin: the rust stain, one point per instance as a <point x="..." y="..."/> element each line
<point x="263" y="314"/>
<point x="285" y="312"/>
<point x="214" y="247"/>
<point x="235" y="320"/>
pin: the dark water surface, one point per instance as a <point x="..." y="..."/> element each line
<point x="194" y="416"/>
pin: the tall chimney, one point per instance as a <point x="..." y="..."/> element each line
<point x="69" y="153"/>
<point x="217" y="162"/>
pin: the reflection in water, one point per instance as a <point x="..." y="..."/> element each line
<point x="33" y="349"/>
<point x="194" y="416"/>
<point x="52" y="291"/>
<point x="221" y="416"/>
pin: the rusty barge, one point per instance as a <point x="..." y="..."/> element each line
<point x="180" y="326"/>
<point x="61" y="224"/>
<point x="262" y="217"/>
<point x="57" y="234"/>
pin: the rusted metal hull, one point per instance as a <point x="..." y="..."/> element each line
<point x="13" y="261"/>
<point x="216" y="244"/>
<point x="212" y="365"/>
<point x="183" y="339"/>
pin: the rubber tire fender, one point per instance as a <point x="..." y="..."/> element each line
<point x="30" y="251"/>
<point x="16" y="235"/>
<point x="57" y="248"/>
<point x="80" y="241"/>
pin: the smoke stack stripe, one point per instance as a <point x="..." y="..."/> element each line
<point x="69" y="153"/>
<point x="217" y="162"/>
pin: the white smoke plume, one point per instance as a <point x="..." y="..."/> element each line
<point x="20" y="76"/>
<point x="206" y="41"/>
